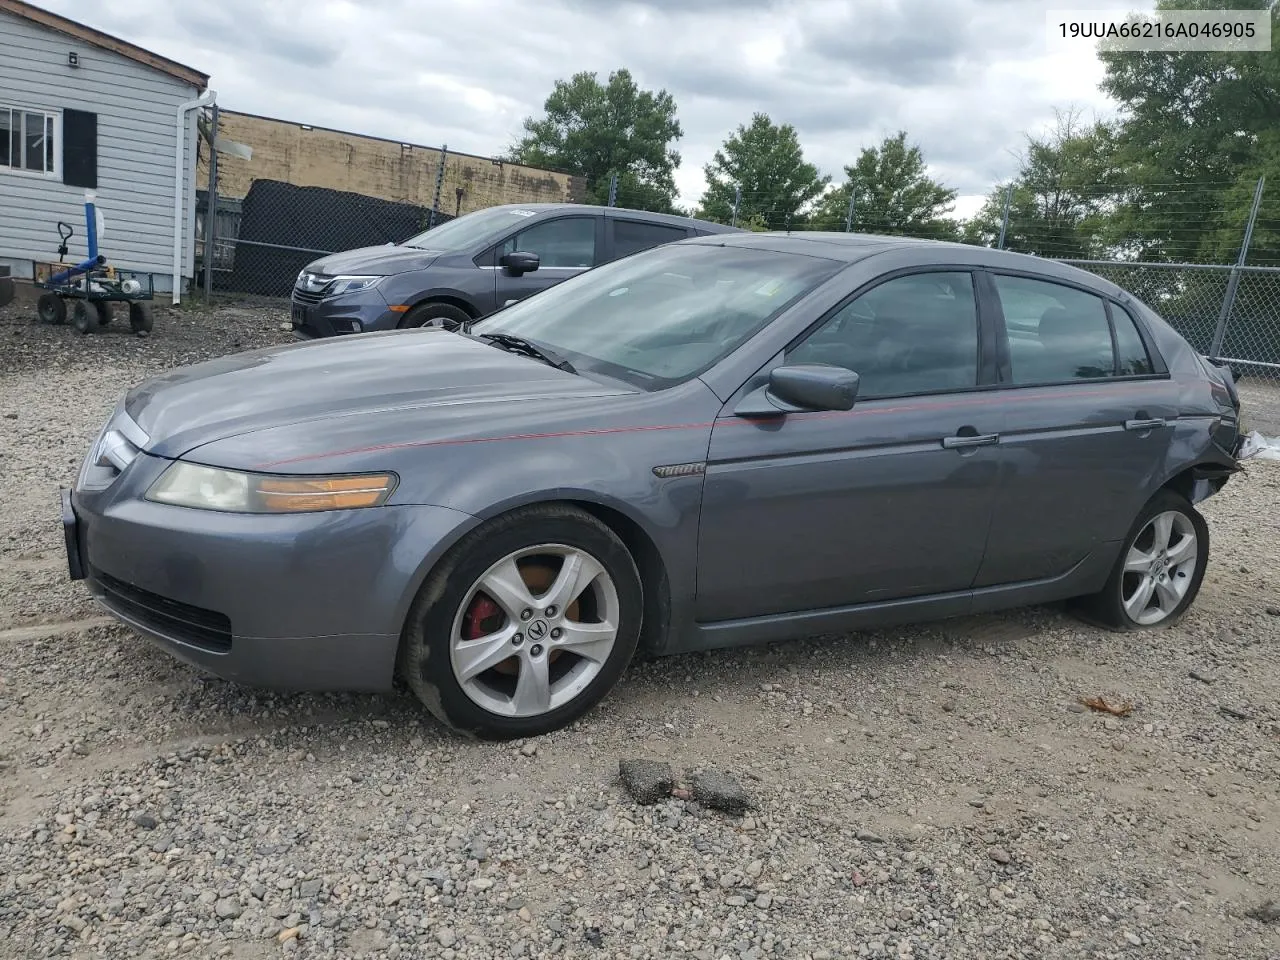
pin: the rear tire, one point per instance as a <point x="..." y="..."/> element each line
<point x="442" y="315"/>
<point x="1159" y="570"/>
<point x="501" y="663"/>
<point x="51" y="308"/>
<point x="104" y="312"/>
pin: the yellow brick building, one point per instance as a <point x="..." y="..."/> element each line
<point x="308" y="156"/>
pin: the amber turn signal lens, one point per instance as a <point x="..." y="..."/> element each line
<point x="290" y="494"/>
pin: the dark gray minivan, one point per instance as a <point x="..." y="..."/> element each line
<point x="472" y="266"/>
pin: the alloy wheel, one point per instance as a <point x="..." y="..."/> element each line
<point x="1159" y="568"/>
<point x="534" y="630"/>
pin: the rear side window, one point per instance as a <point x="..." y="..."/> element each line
<point x="1056" y="333"/>
<point x="1132" y="359"/>
<point x="632" y="236"/>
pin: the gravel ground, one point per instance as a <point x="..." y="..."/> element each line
<point x="930" y="792"/>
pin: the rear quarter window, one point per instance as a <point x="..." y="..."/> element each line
<point x="632" y="236"/>
<point x="1132" y="359"/>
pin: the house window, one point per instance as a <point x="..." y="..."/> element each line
<point x="27" y="140"/>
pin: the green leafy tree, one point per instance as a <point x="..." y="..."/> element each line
<point x="893" y="194"/>
<point x="1195" y="131"/>
<point x="597" y="130"/>
<point x="766" y="161"/>
<point x="1062" y="196"/>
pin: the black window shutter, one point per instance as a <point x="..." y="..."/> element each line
<point x="80" y="149"/>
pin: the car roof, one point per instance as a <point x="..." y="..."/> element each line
<point x="648" y="215"/>
<point x="852" y="247"/>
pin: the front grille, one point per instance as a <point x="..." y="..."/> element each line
<point x="304" y="296"/>
<point x="193" y="625"/>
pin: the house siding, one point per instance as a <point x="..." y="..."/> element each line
<point x="135" y="105"/>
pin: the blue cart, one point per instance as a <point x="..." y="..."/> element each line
<point x="91" y="287"/>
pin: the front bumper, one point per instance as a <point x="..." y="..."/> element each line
<point x="304" y="602"/>
<point x="359" y="312"/>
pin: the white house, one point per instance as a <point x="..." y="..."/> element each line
<point x="83" y="111"/>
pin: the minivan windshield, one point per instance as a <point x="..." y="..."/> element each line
<point x="664" y="315"/>
<point x="470" y="229"/>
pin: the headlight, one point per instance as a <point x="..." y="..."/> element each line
<point x="232" y="491"/>
<point x="349" y="285"/>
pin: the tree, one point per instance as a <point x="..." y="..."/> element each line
<point x="1196" y="129"/>
<point x="598" y="130"/>
<point x="1062" y="195"/>
<point x="766" y="162"/>
<point x="893" y="194"/>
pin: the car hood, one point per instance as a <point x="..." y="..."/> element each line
<point x="431" y="379"/>
<point x="373" y="261"/>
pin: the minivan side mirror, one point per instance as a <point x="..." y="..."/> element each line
<point x="519" y="262"/>
<point x="801" y="387"/>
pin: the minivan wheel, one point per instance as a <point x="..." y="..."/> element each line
<point x="524" y="625"/>
<point x="1159" y="571"/>
<point x="435" y="315"/>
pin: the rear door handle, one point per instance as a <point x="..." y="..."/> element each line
<point x="1144" y="424"/>
<point x="976" y="440"/>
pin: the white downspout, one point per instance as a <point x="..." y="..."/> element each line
<point x="203" y="100"/>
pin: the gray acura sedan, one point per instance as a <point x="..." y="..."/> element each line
<point x="721" y="441"/>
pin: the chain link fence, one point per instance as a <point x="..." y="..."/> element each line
<point x="1227" y="312"/>
<point x="259" y="243"/>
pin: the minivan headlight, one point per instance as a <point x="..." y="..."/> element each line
<point x="233" y="491"/>
<point x="349" y="285"/>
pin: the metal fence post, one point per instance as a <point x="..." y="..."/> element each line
<point x="435" y="202"/>
<point x="613" y="190"/>
<point x="1233" y="282"/>
<point x="737" y="201"/>
<point x="848" y="216"/>
<point x="1004" y="220"/>
<point x="211" y="205"/>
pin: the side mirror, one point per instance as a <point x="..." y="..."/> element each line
<point x="519" y="262"/>
<point x="801" y="387"/>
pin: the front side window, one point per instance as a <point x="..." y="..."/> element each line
<point x="568" y="242"/>
<point x="27" y="140"/>
<point x="910" y="335"/>
<point x="663" y="315"/>
<point x="1056" y="333"/>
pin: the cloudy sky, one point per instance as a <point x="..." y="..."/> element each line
<point x="965" y="78"/>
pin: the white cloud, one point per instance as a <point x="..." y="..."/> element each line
<point x="965" y="78"/>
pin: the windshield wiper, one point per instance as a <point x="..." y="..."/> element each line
<point x="507" y="341"/>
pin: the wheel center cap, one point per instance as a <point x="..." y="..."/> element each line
<point x="537" y="630"/>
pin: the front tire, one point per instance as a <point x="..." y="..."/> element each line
<point x="81" y="321"/>
<point x="524" y="625"/>
<point x="441" y="315"/>
<point x="1159" y="570"/>
<point x="51" y="309"/>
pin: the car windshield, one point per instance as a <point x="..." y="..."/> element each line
<point x="470" y="229"/>
<point x="665" y="315"/>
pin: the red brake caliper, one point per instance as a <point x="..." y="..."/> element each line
<point x="481" y="610"/>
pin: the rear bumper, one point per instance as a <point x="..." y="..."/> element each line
<point x="305" y="602"/>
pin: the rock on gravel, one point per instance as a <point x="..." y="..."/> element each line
<point x="719" y="791"/>
<point x="648" y="781"/>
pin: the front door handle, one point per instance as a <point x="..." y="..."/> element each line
<point x="1150" y="424"/>
<point x="974" y="440"/>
